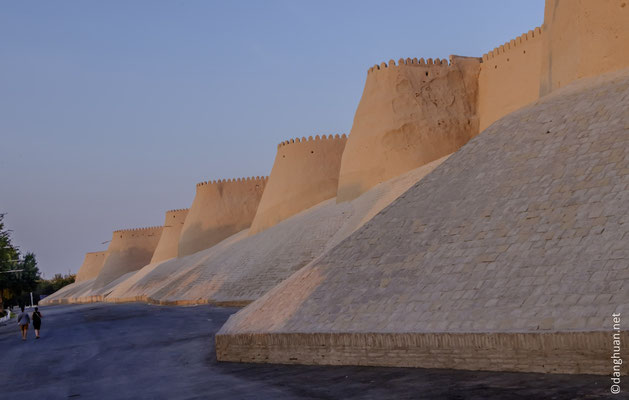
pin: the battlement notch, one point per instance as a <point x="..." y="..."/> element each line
<point x="233" y="180"/>
<point x="177" y="210"/>
<point x="413" y="62"/>
<point x="138" y="230"/>
<point x="311" y="139"/>
<point x="513" y="44"/>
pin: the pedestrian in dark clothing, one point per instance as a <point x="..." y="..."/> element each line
<point x="37" y="322"/>
<point x="23" y="320"/>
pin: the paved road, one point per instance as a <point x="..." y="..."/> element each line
<point x="138" y="351"/>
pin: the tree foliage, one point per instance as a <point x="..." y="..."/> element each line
<point x="49" y="286"/>
<point x="19" y="274"/>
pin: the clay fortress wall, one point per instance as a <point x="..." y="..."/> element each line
<point x="579" y="39"/>
<point x="521" y="58"/>
<point x="92" y="264"/>
<point x="165" y="249"/>
<point x="220" y="209"/>
<point x="305" y="173"/>
<point x="503" y="257"/>
<point x="409" y="115"/>
<point x="417" y="111"/>
<point x="583" y="38"/>
<point x="129" y="250"/>
<point x="168" y="245"/>
<point x="412" y="112"/>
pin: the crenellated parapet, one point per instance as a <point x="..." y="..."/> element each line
<point x="312" y="142"/>
<point x="413" y="62"/>
<point x="410" y="113"/>
<point x="311" y="138"/>
<point x="177" y="210"/>
<point x="510" y="76"/>
<point x="518" y="43"/>
<point x="260" y="179"/>
<point x="305" y="173"/>
<point x="220" y="209"/>
<point x="139" y="231"/>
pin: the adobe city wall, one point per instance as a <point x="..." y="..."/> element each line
<point x="392" y="133"/>
<point x="579" y="39"/>
<point x="220" y="209"/>
<point x="168" y="246"/>
<point x="92" y="264"/>
<point x="499" y="92"/>
<point x="305" y="173"/>
<point x="417" y="111"/>
<point x="129" y="250"/>
<point x="516" y="244"/>
<point x="243" y="267"/>
<point x="510" y="252"/>
<point x="583" y="38"/>
<point x="409" y="115"/>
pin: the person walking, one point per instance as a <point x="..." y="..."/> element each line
<point x="23" y="320"/>
<point x="37" y="321"/>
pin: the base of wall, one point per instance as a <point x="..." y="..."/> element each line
<point x="145" y="299"/>
<point x="559" y="352"/>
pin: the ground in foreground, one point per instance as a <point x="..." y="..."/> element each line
<point x="141" y="351"/>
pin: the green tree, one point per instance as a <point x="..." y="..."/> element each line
<point x="8" y="261"/>
<point x="49" y="286"/>
<point x="18" y="275"/>
<point x="30" y="273"/>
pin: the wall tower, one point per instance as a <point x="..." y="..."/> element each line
<point x="410" y="114"/>
<point x="583" y="38"/>
<point x="220" y="209"/>
<point x="92" y="264"/>
<point x="168" y="246"/>
<point x="305" y="173"/>
<point x="129" y="250"/>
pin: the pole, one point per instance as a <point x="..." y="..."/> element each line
<point x="31" y="299"/>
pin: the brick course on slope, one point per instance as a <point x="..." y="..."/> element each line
<point x="242" y="268"/>
<point x="524" y="231"/>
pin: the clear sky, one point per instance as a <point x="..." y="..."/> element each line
<point x="112" y="111"/>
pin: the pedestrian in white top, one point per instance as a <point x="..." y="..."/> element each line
<point x="23" y="319"/>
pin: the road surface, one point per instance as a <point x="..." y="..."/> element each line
<point x="139" y="351"/>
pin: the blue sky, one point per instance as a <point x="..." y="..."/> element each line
<point x="112" y="111"/>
